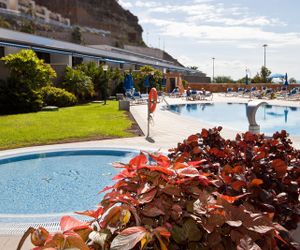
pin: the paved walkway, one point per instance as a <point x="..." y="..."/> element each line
<point x="167" y="130"/>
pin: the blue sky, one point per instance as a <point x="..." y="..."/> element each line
<point x="232" y="31"/>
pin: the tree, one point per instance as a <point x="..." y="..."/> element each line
<point x="292" y="80"/>
<point x="223" y="79"/>
<point x="77" y="35"/>
<point x="28" y="74"/>
<point x="78" y="83"/>
<point x="4" y="23"/>
<point x="264" y="74"/>
<point x="28" y="27"/>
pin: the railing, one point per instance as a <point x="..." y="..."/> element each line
<point x="40" y="20"/>
<point x="12" y="13"/>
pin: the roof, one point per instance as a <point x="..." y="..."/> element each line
<point x="24" y="40"/>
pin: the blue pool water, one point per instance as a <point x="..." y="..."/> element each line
<point x="57" y="182"/>
<point x="233" y="115"/>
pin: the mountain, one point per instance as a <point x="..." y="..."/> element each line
<point x="100" y="14"/>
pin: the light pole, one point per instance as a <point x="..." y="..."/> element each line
<point x="265" y="54"/>
<point x="213" y="78"/>
<point x="105" y="68"/>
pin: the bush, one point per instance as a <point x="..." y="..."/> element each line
<point x="57" y="97"/>
<point x="210" y="193"/>
<point x="28" y="74"/>
<point x="14" y="99"/>
<point x="78" y="83"/>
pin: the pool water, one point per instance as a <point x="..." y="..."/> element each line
<point x="233" y="115"/>
<point x="57" y="182"/>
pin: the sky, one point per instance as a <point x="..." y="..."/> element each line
<point x="231" y="31"/>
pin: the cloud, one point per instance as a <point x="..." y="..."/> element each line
<point x="125" y="4"/>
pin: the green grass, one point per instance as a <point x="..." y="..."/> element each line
<point x="84" y="122"/>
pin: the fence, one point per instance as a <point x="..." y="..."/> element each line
<point x="213" y="87"/>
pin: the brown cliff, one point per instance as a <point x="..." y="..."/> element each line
<point x="100" y="14"/>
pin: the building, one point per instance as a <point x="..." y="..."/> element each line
<point x="30" y="8"/>
<point x="61" y="54"/>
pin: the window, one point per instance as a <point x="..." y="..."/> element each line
<point x="121" y="65"/>
<point x="76" y="60"/>
<point x="44" y="56"/>
<point x="3" y="6"/>
<point x="2" y="52"/>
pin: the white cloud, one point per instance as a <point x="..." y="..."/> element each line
<point x="125" y="4"/>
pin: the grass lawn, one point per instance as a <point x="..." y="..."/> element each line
<point x="84" y="122"/>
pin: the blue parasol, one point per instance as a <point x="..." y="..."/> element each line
<point x="128" y="82"/>
<point x="164" y="82"/>
<point x="286" y="83"/>
<point x="147" y="82"/>
<point x="276" y="75"/>
<point x="247" y="80"/>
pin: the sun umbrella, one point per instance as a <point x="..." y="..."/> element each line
<point x="128" y="82"/>
<point x="247" y="80"/>
<point x="164" y="82"/>
<point x="147" y="82"/>
<point x="286" y="83"/>
<point x="276" y="75"/>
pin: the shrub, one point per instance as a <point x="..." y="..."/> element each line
<point x="28" y="74"/>
<point x="57" y="97"/>
<point x="210" y="193"/>
<point x="78" y="83"/>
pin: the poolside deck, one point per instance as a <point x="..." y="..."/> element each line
<point x="168" y="129"/>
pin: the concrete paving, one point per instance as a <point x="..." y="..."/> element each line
<point x="166" y="130"/>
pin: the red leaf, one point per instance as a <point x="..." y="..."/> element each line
<point x="92" y="213"/>
<point x="163" y="232"/>
<point x="232" y="199"/>
<point x="68" y="223"/>
<point x="161" y="160"/>
<point x="256" y="182"/>
<point x="128" y="238"/>
<point x="280" y="167"/>
<point x="237" y="185"/>
<point x="247" y="243"/>
<point x="188" y="172"/>
<point x="204" y="133"/>
<point x="249" y="137"/>
<point x="166" y="171"/>
<point x="216" y="152"/>
<point x="238" y="170"/>
<point x="196" y="164"/>
<point x="192" y="138"/>
<point x="152" y="211"/>
<point x="124" y="174"/>
<point x="259" y="156"/>
<point x="204" y="181"/>
<point x="147" y="197"/>
<point x="132" y="230"/>
<point x="139" y="160"/>
<point x="144" y="188"/>
<point x="105" y="189"/>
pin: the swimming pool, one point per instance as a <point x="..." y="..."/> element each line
<point x="233" y="115"/>
<point x="56" y="182"/>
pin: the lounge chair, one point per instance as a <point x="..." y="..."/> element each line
<point x="175" y="93"/>
<point x="229" y="92"/>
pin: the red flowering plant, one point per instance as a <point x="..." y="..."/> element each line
<point x="209" y="193"/>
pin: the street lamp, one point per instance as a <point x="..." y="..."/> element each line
<point x="265" y="54"/>
<point x="105" y="68"/>
<point x="213" y="78"/>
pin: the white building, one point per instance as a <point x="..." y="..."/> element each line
<point x="31" y="8"/>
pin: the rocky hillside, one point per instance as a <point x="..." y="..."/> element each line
<point x="100" y="14"/>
